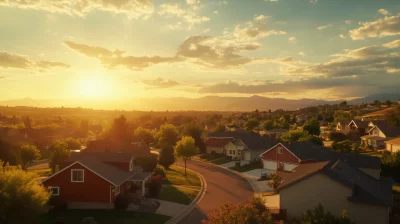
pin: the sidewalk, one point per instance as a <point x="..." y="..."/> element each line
<point x="171" y="209"/>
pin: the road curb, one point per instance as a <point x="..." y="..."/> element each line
<point x="192" y="204"/>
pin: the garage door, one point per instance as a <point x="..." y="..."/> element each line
<point x="246" y="156"/>
<point x="289" y="166"/>
<point x="269" y="165"/>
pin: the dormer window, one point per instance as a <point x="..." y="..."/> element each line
<point x="77" y="175"/>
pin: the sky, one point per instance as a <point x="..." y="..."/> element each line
<point x="126" y="49"/>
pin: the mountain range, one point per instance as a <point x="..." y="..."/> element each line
<point x="207" y="103"/>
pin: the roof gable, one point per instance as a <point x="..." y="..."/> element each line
<point x="218" y="142"/>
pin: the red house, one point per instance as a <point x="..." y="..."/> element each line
<point x="97" y="178"/>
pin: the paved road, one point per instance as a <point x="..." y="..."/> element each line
<point x="222" y="187"/>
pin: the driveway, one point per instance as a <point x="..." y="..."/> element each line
<point x="222" y="187"/>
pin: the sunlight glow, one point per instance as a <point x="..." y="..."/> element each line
<point x="94" y="86"/>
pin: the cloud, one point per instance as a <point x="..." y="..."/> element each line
<point x="188" y="15"/>
<point x="292" y="39"/>
<point x="131" y="8"/>
<point x="342" y="36"/>
<point x="323" y="27"/>
<point x="271" y="0"/>
<point x="113" y="59"/>
<point x="302" y="53"/>
<point x="348" y="22"/>
<point x="388" y="26"/>
<point x="215" y="12"/>
<point x="384" y="12"/>
<point x="11" y="60"/>
<point x="161" y="83"/>
<point x="255" y="29"/>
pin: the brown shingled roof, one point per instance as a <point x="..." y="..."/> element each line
<point x="218" y="142"/>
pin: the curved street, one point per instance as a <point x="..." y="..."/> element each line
<point x="222" y="187"/>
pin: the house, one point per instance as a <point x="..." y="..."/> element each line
<point x="95" y="179"/>
<point x="287" y="156"/>
<point x="358" y="126"/>
<point x="245" y="146"/>
<point x="393" y="145"/>
<point x="337" y="186"/>
<point x="217" y="144"/>
<point x="137" y="147"/>
<point x="380" y="132"/>
<point x="343" y="126"/>
<point x="276" y="133"/>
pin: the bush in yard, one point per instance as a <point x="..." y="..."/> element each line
<point x="318" y="215"/>
<point x="121" y="202"/>
<point x="275" y="181"/>
<point x="22" y="198"/>
<point x="58" y="205"/>
<point x="148" y="163"/>
<point x="253" y="212"/>
<point x="167" y="157"/>
<point x="159" y="171"/>
<point x="155" y="186"/>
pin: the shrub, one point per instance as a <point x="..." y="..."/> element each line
<point x="159" y="171"/>
<point x="155" y="186"/>
<point x="58" y="204"/>
<point x="121" y="202"/>
<point x="167" y="157"/>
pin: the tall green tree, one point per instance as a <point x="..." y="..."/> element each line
<point x="73" y="143"/>
<point x="312" y="127"/>
<point x="220" y="128"/>
<point x="145" y="134"/>
<point x="195" y="131"/>
<point x="22" y="198"/>
<point x="28" y="123"/>
<point x="167" y="156"/>
<point x="296" y="136"/>
<point x="10" y="154"/>
<point x="59" y="155"/>
<point x="167" y="135"/>
<point x="185" y="149"/>
<point x="268" y="125"/>
<point x="251" y="123"/>
<point x="120" y="128"/>
<point x="29" y="153"/>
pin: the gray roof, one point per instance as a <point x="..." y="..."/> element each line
<point x="387" y="129"/>
<point x="361" y="124"/>
<point x="365" y="189"/>
<point x="101" y="156"/>
<point x="311" y="151"/>
<point x="111" y="173"/>
<point x="252" y="140"/>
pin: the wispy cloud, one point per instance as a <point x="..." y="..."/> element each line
<point x="323" y="27"/>
<point x="388" y="26"/>
<point x="11" y="60"/>
<point x="384" y="12"/>
<point x="160" y="83"/>
<point x="256" y="29"/>
<point x="131" y="8"/>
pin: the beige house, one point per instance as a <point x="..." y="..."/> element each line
<point x="337" y="186"/>
<point x="343" y="126"/>
<point x="393" y="145"/>
<point x="380" y="132"/>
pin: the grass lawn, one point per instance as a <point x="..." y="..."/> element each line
<point x="248" y="167"/>
<point x="209" y="157"/>
<point x="176" y="176"/>
<point x="371" y="153"/>
<point x="41" y="172"/>
<point x="222" y="160"/>
<point x="178" y="194"/>
<point x="105" y="217"/>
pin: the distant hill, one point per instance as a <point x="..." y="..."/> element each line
<point x="207" y="103"/>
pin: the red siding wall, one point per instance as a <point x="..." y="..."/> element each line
<point x="285" y="157"/>
<point x="93" y="189"/>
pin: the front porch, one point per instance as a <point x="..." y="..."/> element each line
<point x="137" y="185"/>
<point x="373" y="142"/>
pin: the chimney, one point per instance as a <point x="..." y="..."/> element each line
<point x="56" y="169"/>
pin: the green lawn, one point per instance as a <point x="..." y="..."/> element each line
<point x="105" y="217"/>
<point x="176" y="176"/>
<point x="178" y="194"/>
<point x="41" y="172"/>
<point x="222" y="160"/>
<point x="210" y="157"/>
<point x="248" y="167"/>
<point x="371" y="153"/>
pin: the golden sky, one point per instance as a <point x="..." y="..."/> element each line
<point x="322" y="49"/>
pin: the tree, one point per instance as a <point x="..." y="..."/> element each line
<point x="28" y="123"/>
<point x="343" y="146"/>
<point x="377" y="103"/>
<point x="167" y="157"/>
<point x="296" y="136"/>
<point x="167" y="135"/>
<point x="10" y="154"/>
<point x="29" y="153"/>
<point x="22" y="198"/>
<point x="393" y="116"/>
<point x="337" y="136"/>
<point x="318" y="215"/>
<point x="195" y="132"/>
<point x="145" y="134"/>
<point x="251" y="123"/>
<point x="268" y="125"/>
<point x="73" y="143"/>
<point x="320" y="117"/>
<point x="253" y="212"/>
<point x="60" y="154"/>
<point x="388" y="102"/>
<point x="275" y="181"/>
<point x="312" y="127"/>
<point x="220" y="128"/>
<point x="343" y="104"/>
<point x="119" y="128"/>
<point x="185" y="149"/>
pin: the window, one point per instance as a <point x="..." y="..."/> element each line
<point x="54" y="191"/>
<point x="230" y="152"/>
<point x="117" y="190"/>
<point x="280" y="151"/>
<point x="234" y="152"/>
<point x="77" y="175"/>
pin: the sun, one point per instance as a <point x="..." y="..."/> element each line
<point x="93" y="87"/>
